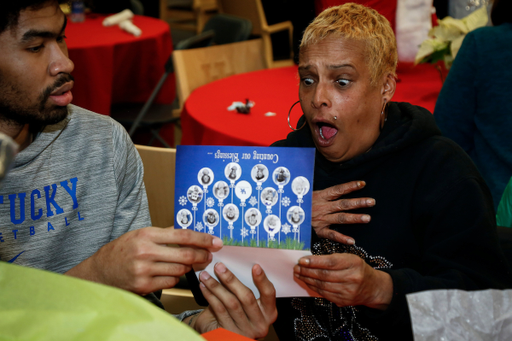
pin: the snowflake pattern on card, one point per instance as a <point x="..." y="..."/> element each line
<point x="253" y="201"/>
<point x="210" y="202"/>
<point x="244" y="232"/>
<point x="286" y="228"/>
<point x="199" y="226"/>
<point x="285" y="201"/>
<point x="183" y="200"/>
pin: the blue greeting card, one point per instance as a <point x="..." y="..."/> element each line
<point x="248" y="196"/>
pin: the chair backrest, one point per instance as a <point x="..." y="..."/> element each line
<point x="228" y="28"/>
<point x="203" y="39"/>
<point x="249" y="9"/>
<point x="204" y="5"/>
<point x="196" y="67"/>
<point x="137" y="7"/>
<point x="159" y="171"/>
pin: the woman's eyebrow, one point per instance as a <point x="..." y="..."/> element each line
<point x="305" y="67"/>
<point x="340" y="66"/>
<point x="330" y="67"/>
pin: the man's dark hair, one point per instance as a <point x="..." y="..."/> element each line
<point x="10" y="10"/>
<point x="501" y="12"/>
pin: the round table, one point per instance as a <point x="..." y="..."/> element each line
<point x="113" y="66"/>
<point x="207" y="121"/>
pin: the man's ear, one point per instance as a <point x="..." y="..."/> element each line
<point x="388" y="87"/>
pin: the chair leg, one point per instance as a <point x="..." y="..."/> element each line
<point x="147" y="105"/>
<point x="290" y="37"/>
<point x="267" y="48"/>
<point x="159" y="138"/>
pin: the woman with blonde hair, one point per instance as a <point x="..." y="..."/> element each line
<point x="423" y="216"/>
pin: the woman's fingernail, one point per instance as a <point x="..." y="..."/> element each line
<point x="361" y="184"/>
<point x="366" y="218"/>
<point x="204" y="276"/>
<point x="258" y="270"/>
<point x="370" y="202"/>
<point x="351" y="241"/>
<point x="217" y="242"/>
<point x="304" y="261"/>
<point x="220" y="267"/>
<point x="202" y="286"/>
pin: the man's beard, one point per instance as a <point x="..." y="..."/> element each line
<point x="13" y="109"/>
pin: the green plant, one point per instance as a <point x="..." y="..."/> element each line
<point x="445" y="39"/>
<point x="288" y="243"/>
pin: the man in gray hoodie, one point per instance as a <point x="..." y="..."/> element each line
<point x="75" y="203"/>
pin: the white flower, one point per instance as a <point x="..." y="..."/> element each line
<point x="183" y="200"/>
<point x="446" y="38"/>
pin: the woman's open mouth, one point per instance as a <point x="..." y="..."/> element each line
<point x="326" y="132"/>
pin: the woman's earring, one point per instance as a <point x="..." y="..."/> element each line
<point x="289" y="112"/>
<point x="381" y="114"/>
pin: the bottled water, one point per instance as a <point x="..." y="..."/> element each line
<point x="77" y="11"/>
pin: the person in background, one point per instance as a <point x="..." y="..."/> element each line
<point x="423" y="216"/>
<point x="74" y="202"/>
<point x="473" y="108"/>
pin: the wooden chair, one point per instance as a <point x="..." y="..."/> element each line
<point x="196" y="67"/>
<point x="159" y="170"/>
<point x="187" y="14"/>
<point x="155" y="116"/>
<point x="253" y="10"/>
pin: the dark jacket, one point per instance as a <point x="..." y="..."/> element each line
<point x="433" y="226"/>
<point x="474" y="109"/>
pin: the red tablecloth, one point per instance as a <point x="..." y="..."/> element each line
<point x="112" y="66"/>
<point x="221" y="334"/>
<point x="206" y="120"/>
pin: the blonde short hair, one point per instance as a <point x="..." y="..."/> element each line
<point x="354" y="21"/>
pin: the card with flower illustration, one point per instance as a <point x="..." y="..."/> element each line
<point x="247" y="196"/>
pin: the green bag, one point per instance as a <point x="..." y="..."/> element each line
<point x="504" y="213"/>
<point x="40" y="305"/>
